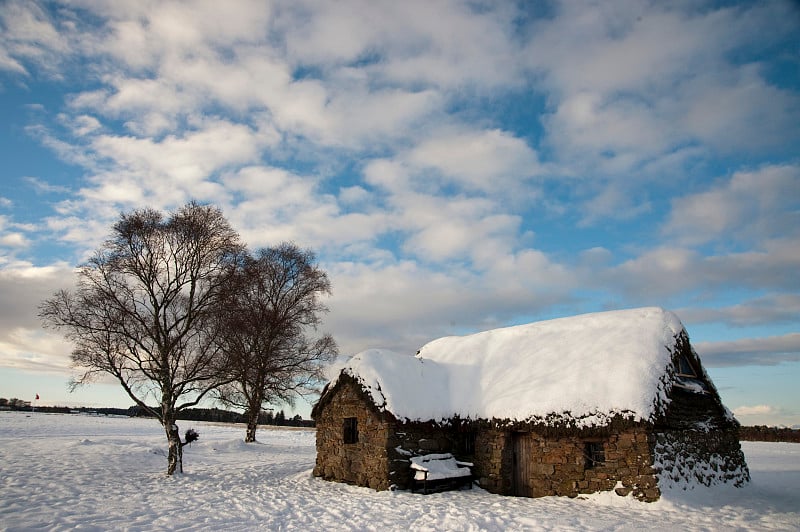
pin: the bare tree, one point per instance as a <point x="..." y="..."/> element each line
<point x="143" y="310"/>
<point x="272" y="303"/>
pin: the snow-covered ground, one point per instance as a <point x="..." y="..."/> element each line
<point x="60" y="472"/>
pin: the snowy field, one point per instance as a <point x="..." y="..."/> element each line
<point x="62" y="472"/>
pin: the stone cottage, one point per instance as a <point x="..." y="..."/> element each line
<point x="606" y="401"/>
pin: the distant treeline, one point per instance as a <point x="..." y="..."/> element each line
<point x="26" y="407"/>
<point x="227" y="416"/>
<point x="192" y="414"/>
<point x="764" y="433"/>
<point x="756" y="433"/>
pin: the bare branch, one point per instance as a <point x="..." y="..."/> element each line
<point x="270" y="306"/>
<point x="145" y="304"/>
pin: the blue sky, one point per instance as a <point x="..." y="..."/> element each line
<point x="457" y="166"/>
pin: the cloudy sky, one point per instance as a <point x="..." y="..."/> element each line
<point x="457" y="166"/>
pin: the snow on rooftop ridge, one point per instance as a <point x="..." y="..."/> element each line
<point x="587" y="368"/>
<point x="401" y="383"/>
<point x="588" y="365"/>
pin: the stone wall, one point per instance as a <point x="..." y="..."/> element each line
<point x="629" y="461"/>
<point x="493" y="461"/>
<point x="365" y="463"/>
<point x="697" y="442"/>
<point x="688" y="411"/>
<point x="557" y="465"/>
<point x="697" y="457"/>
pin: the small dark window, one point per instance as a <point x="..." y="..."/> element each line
<point x="685" y="367"/>
<point x="687" y="377"/>
<point x="350" y="430"/>
<point x="466" y="443"/>
<point x="594" y="454"/>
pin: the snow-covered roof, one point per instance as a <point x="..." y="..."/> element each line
<point x="587" y="368"/>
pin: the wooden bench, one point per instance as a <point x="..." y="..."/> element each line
<point x="440" y="472"/>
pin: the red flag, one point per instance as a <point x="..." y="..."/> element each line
<point x="37" y="396"/>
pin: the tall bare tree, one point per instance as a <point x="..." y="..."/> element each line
<point x="273" y="303"/>
<point x="144" y="310"/>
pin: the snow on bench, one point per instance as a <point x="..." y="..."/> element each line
<point x="440" y="470"/>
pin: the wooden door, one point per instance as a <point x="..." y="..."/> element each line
<point x="523" y="454"/>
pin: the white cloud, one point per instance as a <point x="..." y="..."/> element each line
<point x="147" y="30"/>
<point x="657" y="272"/>
<point x="86" y="232"/>
<point x="439" y="45"/>
<point x="768" y="309"/>
<point x="354" y="195"/>
<point x="671" y="270"/>
<point x="185" y="159"/>
<point x="22" y="287"/>
<point x="621" y="45"/>
<point x="773" y="265"/>
<point x="638" y="91"/>
<point x="403" y="304"/>
<point x="753" y="410"/>
<point x="492" y="161"/>
<point x="767" y="351"/>
<point x="35" y="350"/>
<point x="163" y="173"/>
<point x="455" y="236"/>
<point x="65" y="150"/>
<point x="377" y="116"/>
<point x="43" y="187"/>
<point x="391" y="175"/>
<point x="9" y="63"/>
<point x="129" y="41"/>
<point x="367" y="77"/>
<point x="766" y="414"/>
<point x="13" y="239"/>
<point x="743" y="114"/>
<point x="752" y="205"/>
<point x="81" y="125"/>
<point x="128" y="97"/>
<point x="270" y="205"/>
<point x="29" y="35"/>
<point x="456" y="194"/>
<point x="471" y="48"/>
<point x="613" y="201"/>
<point x="192" y="68"/>
<point x="607" y="133"/>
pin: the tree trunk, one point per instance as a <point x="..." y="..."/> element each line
<point x="175" y="453"/>
<point x="175" y="456"/>
<point x="252" y="423"/>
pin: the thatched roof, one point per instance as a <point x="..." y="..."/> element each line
<point x="588" y="369"/>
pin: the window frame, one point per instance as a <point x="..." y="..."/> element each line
<point x="466" y="443"/>
<point x="692" y="382"/>
<point x="594" y="454"/>
<point x="350" y="430"/>
<point x="682" y="361"/>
